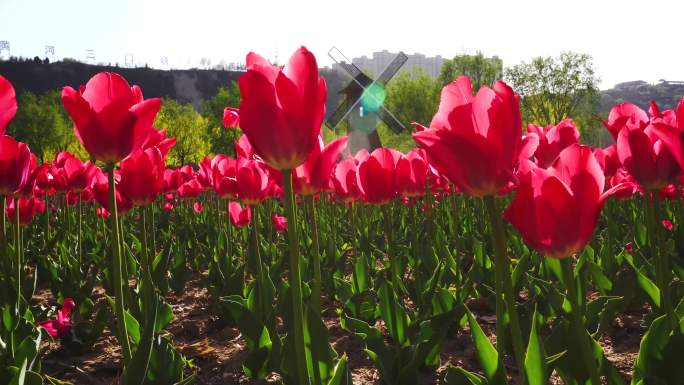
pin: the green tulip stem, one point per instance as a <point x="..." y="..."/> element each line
<point x="659" y="252"/>
<point x="80" y="231"/>
<point x="577" y="323"/>
<point x="146" y="266"/>
<point x="117" y="279"/>
<point x="295" y="281"/>
<point x="17" y="250"/>
<point x="504" y="290"/>
<point x="315" y="255"/>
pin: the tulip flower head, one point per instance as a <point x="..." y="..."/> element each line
<point x="475" y="141"/>
<point x="282" y="109"/>
<point x="142" y="176"/>
<point x="314" y="175"/>
<point x="231" y="117"/>
<point x="15" y="165"/>
<point x="111" y="118"/>
<point x="556" y="209"/>
<point x="61" y="327"/>
<point x="377" y="175"/>
<point x="552" y="140"/>
<point x="8" y="103"/>
<point x="29" y="207"/>
<point x="279" y="222"/>
<point x="239" y="216"/>
<point x="345" y="180"/>
<point x="639" y="149"/>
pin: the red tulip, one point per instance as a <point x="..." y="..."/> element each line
<point x="239" y="217"/>
<point x="623" y="177"/>
<point x="377" y="176"/>
<point x="173" y="179"/>
<point x="556" y="209"/>
<point x="15" y="165"/>
<point x="30" y="187"/>
<point x="188" y="173"/>
<point x="29" y="207"/>
<point x="167" y="207"/>
<point x="157" y="138"/>
<point x="670" y="129"/>
<point x="629" y="247"/>
<point x="252" y="181"/>
<point x="314" y="175"/>
<point x="282" y="109"/>
<point x="640" y="151"/>
<point x="142" y="176"/>
<point x="111" y="119"/>
<point x="624" y="114"/>
<point x="8" y="103"/>
<point x="244" y="149"/>
<point x="412" y="173"/>
<point x="101" y="212"/>
<point x="85" y="195"/>
<point x="475" y="141"/>
<point x="608" y="159"/>
<point x="224" y="178"/>
<point x="231" y="117"/>
<point x="198" y="207"/>
<point x="279" y="222"/>
<point x="205" y="175"/>
<point x="345" y="180"/>
<point x="78" y="175"/>
<point x="190" y="189"/>
<point x="553" y="139"/>
<point x="101" y="193"/>
<point x="667" y="224"/>
<point x="61" y="327"/>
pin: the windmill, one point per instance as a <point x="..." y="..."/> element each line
<point x="363" y="102"/>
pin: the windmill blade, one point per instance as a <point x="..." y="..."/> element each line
<point x="392" y="68"/>
<point x="340" y="113"/>
<point x="350" y="68"/>
<point x="390" y="120"/>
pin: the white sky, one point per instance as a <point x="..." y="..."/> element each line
<point x="629" y="40"/>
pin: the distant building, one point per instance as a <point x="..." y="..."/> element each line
<point x="379" y="60"/>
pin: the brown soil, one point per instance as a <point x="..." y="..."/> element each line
<point x="217" y="351"/>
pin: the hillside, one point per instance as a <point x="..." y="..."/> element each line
<point x="666" y="94"/>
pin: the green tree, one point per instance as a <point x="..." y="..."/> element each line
<point x="190" y="129"/>
<point x="411" y="97"/>
<point x="221" y="138"/>
<point x="44" y="125"/>
<point x="480" y="69"/>
<point x="555" y="88"/>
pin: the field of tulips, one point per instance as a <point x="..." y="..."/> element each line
<point x="488" y="254"/>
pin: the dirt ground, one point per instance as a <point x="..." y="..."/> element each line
<point x="217" y="351"/>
